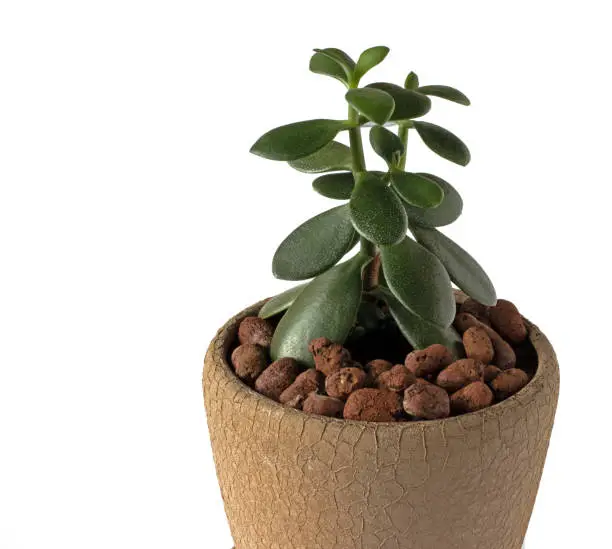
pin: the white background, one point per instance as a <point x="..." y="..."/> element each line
<point x="134" y="222"/>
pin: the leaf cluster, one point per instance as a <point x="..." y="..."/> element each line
<point x="379" y="209"/>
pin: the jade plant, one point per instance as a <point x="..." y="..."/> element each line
<point x="412" y="275"/>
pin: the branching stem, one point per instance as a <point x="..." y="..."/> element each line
<point x="370" y="273"/>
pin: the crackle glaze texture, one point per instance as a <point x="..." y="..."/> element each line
<point x="295" y="481"/>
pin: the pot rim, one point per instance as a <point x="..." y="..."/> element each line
<point x="218" y="352"/>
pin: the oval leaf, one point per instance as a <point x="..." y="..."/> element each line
<point x="376" y="211"/>
<point x="322" y="64"/>
<point x="369" y="59"/>
<point x="412" y="81"/>
<point x="297" y="140"/>
<point x="418" y="279"/>
<point x="341" y="58"/>
<point x="463" y="269"/>
<point x="331" y="158"/>
<point x="446" y="213"/>
<point x="445" y="92"/>
<point x="375" y="105"/>
<point x="338" y="186"/>
<point x="281" y="302"/>
<point x="443" y="143"/>
<point x="408" y="103"/>
<point x="315" y="246"/>
<point x="417" y="190"/>
<point x="418" y="331"/>
<point x="327" y="307"/>
<point x="386" y="144"/>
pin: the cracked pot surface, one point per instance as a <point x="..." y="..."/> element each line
<point x="290" y="480"/>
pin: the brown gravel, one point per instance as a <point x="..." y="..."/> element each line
<point x="277" y="377"/>
<point x="505" y="357"/>
<point x="373" y="405"/>
<point x="428" y="361"/>
<point x="323" y="405"/>
<point x="508" y="322"/>
<point x="476" y="309"/>
<point x="471" y="398"/>
<point x="307" y="382"/>
<point x="255" y="330"/>
<point x="509" y="382"/>
<point x="249" y="361"/>
<point x="376" y="367"/>
<point x="343" y="382"/>
<point x="397" y="379"/>
<point x="478" y="344"/>
<point x="329" y="357"/>
<point x="424" y="400"/>
<point x="459" y="374"/>
<point x="491" y="372"/>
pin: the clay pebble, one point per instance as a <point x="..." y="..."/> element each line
<point x="478" y="344"/>
<point x="373" y="405"/>
<point x="491" y="372"/>
<point x="277" y="377"/>
<point x="428" y="361"/>
<point x="376" y="367"/>
<point x="255" y="330"/>
<point x="471" y="398"/>
<point x="307" y="382"/>
<point x="323" y="405"/>
<point x="459" y="374"/>
<point x="476" y="309"/>
<point x="342" y="383"/>
<point x="424" y="400"/>
<point x="508" y="322"/>
<point x="505" y="357"/>
<point x="249" y="361"/>
<point x="397" y="379"/>
<point x="328" y="356"/>
<point x="509" y="382"/>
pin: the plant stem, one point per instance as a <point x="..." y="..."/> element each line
<point x="356" y="143"/>
<point x="402" y="133"/>
<point x="370" y="273"/>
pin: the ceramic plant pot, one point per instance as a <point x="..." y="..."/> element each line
<point x="295" y="481"/>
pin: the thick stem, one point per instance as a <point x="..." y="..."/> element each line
<point x="356" y="143"/>
<point x="370" y="273"/>
<point x="402" y="133"/>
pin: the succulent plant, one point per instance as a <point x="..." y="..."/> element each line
<point x="413" y="276"/>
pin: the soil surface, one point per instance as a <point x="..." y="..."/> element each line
<point x="377" y="376"/>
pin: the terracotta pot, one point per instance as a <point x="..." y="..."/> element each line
<point x="295" y="481"/>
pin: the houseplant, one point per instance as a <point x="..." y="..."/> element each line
<point x="296" y="480"/>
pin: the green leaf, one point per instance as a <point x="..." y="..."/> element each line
<point x="281" y="302"/>
<point x="445" y="92"/>
<point x="342" y="59"/>
<point x="412" y="81"/>
<point x="417" y="190"/>
<point x="418" y="279"/>
<point x="408" y="103"/>
<point x="369" y="59"/>
<point x="418" y="331"/>
<point x="338" y="186"/>
<point x="448" y="211"/>
<point x="315" y="246"/>
<point x="297" y="140"/>
<point x="331" y="158"/>
<point x="327" y="307"/>
<point x="443" y="143"/>
<point x="375" y="105"/>
<point x="322" y="64"/>
<point x="376" y="211"/>
<point x="463" y="269"/>
<point x="386" y="144"/>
